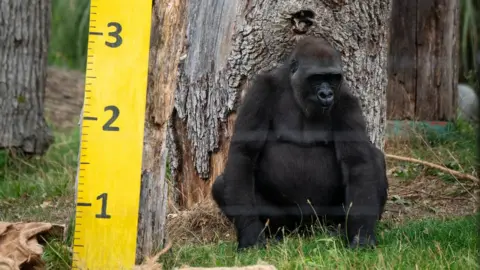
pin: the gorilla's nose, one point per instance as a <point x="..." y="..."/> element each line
<point x="325" y="96"/>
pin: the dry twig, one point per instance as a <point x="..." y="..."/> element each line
<point x="436" y="166"/>
<point x="151" y="263"/>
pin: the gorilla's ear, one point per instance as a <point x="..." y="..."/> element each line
<point x="293" y="65"/>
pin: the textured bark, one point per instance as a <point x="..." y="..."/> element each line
<point x="167" y="36"/>
<point x="423" y="60"/>
<point x="24" y="38"/>
<point x="230" y="41"/>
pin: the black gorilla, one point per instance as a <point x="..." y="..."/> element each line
<point x="300" y="152"/>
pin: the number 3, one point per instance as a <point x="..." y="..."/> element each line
<point x="115" y="34"/>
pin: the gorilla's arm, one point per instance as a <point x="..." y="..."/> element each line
<point x="363" y="171"/>
<point x="251" y="130"/>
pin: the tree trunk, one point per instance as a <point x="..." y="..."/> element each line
<point x="24" y="38"/>
<point x="423" y="60"/>
<point x="167" y="36"/>
<point x="229" y="41"/>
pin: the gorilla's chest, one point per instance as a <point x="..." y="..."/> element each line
<point x="299" y="154"/>
<point x="290" y="126"/>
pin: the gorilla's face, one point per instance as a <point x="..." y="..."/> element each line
<point x="315" y="85"/>
<point x="321" y="88"/>
<point x="315" y="75"/>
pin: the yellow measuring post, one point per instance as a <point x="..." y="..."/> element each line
<point x="109" y="172"/>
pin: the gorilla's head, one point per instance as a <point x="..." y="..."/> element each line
<point x="315" y="74"/>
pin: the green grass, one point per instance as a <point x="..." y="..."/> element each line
<point x="428" y="244"/>
<point x="31" y="189"/>
<point x="456" y="149"/>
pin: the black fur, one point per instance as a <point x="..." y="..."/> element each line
<point x="296" y="157"/>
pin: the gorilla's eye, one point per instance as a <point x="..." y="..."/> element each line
<point x="334" y="79"/>
<point x="293" y="66"/>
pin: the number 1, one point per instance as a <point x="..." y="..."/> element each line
<point x="103" y="214"/>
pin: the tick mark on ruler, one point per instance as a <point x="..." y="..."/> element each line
<point x="84" y="162"/>
<point x="96" y="33"/>
<point x="90" y="118"/>
<point x="84" y="204"/>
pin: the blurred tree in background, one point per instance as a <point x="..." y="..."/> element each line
<point x="24" y="42"/>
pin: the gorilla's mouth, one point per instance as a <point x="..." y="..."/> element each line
<point x="326" y="104"/>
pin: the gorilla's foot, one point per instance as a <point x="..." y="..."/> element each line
<point x="251" y="236"/>
<point x="363" y="242"/>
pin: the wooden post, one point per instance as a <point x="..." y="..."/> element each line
<point x="423" y="60"/>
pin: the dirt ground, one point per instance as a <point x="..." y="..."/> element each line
<point x="408" y="199"/>
<point x="64" y="97"/>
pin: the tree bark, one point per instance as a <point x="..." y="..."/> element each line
<point x="24" y="38"/>
<point x="229" y="41"/>
<point x="167" y="36"/>
<point x="423" y="60"/>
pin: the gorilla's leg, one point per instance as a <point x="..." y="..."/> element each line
<point x="251" y="234"/>
<point x="271" y="217"/>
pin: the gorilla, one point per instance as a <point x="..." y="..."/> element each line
<point x="300" y="152"/>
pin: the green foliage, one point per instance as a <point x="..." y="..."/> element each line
<point x="69" y="33"/>
<point x="469" y="39"/>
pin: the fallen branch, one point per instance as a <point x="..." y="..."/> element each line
<point x="436" y="166"/>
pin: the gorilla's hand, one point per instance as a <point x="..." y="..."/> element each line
<point x="363" y="241"/>
<point x="252" y="235"/>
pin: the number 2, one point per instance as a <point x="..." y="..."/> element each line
<point x="115" y="113"/>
